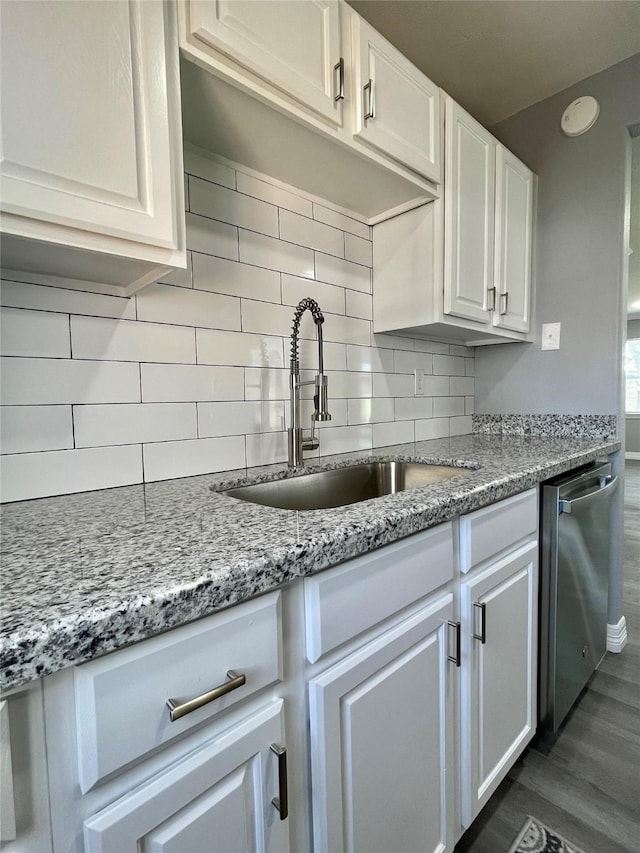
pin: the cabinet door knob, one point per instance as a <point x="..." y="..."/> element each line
<point x="339" y="89"/>
<point x="482" y="636"/>
<point x="369" y="100"/>
<point x="455" y="658"/>
<point x="179" y="708"/>
<point x="281" y="802"/>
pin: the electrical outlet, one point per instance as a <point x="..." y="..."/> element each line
<point x="550" y="336"/>
<point x="419" y="374"/>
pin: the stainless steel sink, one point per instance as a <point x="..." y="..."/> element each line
<point x="343" y="486"/>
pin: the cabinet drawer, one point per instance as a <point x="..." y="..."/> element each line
<point x="121" y="699"/>
<point x="350" y="599"/>
<point x="491" y="530"/>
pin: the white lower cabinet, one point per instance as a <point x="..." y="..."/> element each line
<point x="381" y="729"/>
<point x="218" y="798"/>
<point x="401" y="684"/>
<point x="498" y="607"/>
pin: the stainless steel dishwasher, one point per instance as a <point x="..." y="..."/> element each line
<point x="574" y="584"/>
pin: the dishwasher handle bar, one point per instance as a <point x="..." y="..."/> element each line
<point x="607" y="486"/>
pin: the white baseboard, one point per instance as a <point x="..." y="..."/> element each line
<point x="630" y="454"/>
<point x="617" y="636"/>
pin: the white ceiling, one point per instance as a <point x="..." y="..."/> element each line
<point x="496" y="57"/>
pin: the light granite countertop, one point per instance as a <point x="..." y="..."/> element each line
<point x="85" y="574"/>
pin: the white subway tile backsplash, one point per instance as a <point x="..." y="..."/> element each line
<point x="432" y="428"/>
<point x="393" y="385"/>
<point x="267" y="448"/>
<point x="397" y="432"/>
<point x="460" y="426"/>
<point x="308" y="232"/>
<point x="358" y="250"/>
<point x="436" y="386"/>
<point x="406" y="361"/>
<point x="166" y="460"/>
<point x="448" y="365"/>
<point x="275" y="254"/>
<point x="369" y="359"/>
<point x="34" y="333"/>
<point x="274" y="195"/>
<point x="15" y="294"/>
<point x="161" y="303"/>
<point x="359" y="304"/>
<point x="133" y="423"/>
<point x="447" y="406"/>
<point x="346" y="438"/>
<point x="265" y="383"/>
<point x="191" y="375"/>
<point x="242" y="418"/>
<point x="461" y="386"/>
<point x="176" y="383"/>
<point x="413" y="408"/>
<point x="234" y="208"/>
<point x="25" y="429"/>
<point x="126" y="340"/>
<point x="370" y="411"/>
<point x="330" y="298"/>
<point x="42" y="382"/>
<point x="238" y="348"/>
<point x="220" y="275"/>
<point x="207" y="168"/>
<point x="340" y="220"/>
<point x="60" y="472"/>
<point x="212" y="237"/>
<point x="344" y="273"/>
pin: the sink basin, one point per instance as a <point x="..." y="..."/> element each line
<point x="342" y="486"/>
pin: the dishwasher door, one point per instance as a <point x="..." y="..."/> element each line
<point x="576" y="537"/>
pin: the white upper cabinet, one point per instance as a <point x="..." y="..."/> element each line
<point x="294" y="46"/>
<point x="396" y="108"/>
<point x="91" y="167"/>
<point x="514" y="230"/>
<point x="469" y="215"/>
<point x="280" y="86"/>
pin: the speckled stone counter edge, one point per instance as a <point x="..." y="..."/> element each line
<point x="597" y="427"/>
<point x="92" y="626"/>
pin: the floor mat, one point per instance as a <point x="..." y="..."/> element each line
<point x="535" y="837"/>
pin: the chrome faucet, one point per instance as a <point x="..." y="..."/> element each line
<point x="297" y="441"/>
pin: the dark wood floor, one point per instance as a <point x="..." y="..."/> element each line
<point x="587" y="786"/>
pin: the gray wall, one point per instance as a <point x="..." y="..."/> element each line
<point x="580" y="260"/>
<point x="632" y="425"/>
<point x="581" y="266"/>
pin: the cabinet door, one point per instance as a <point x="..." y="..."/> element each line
<point x="397" y="108"/>
<point x="469" y="216"/>
<point x="87" y="105"/>
<point x="499" y="673"/>
<point x="292" y="44"/>
<point x="218" y="799"/>
<point x="381" y="742"/>
<point x="514" y="231"/>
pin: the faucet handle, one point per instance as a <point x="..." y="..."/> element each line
<point x="321" y="399"/>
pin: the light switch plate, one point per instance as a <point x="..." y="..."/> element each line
<point x="550" y="336"/>
<point x="419" y="374"/>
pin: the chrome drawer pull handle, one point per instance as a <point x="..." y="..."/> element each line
<point x="339" y="67"/>
<point x="281" y="802"/>
<point x="455" y="658"/>
<point x="482" y="636"/>
<point x="492" y="292"/>
<point x="504" y="296"/>
<point x="178" y="708"/>
<point x="370" y="109"/>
